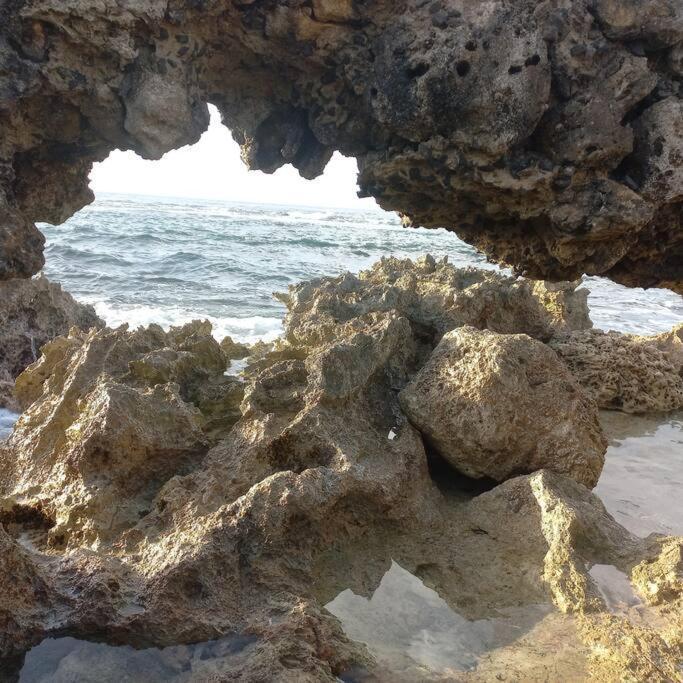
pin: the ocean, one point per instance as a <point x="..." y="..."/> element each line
<point x="142" y="259"/>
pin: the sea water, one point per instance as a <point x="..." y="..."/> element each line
<point x="149" y="259"/>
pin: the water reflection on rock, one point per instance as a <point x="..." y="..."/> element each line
<point x="414" y="633"/>
<point x="615" y="588"/>
<point x="643" y="474"/>
<point x="65" y="660"/>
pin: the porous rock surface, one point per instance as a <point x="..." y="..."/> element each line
<point x="32" y="312"/>
<point x="634" y="374"/>
<point x="546" y="133"/>
<point x="495" y="405"/>
<point x="132" y="515"/>
<point x="124" y="409"/>
<point x="435" y="297"/>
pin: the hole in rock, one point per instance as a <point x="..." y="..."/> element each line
<point x="195" y="235"/>
<point x="417" y="70"/>
<point x="20" y="518"/>
<point x="451" y="482"/>
<point x="462" y="68"/>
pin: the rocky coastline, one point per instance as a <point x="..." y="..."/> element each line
<point x="446" y="420"/>
<point x="208" y="511"/>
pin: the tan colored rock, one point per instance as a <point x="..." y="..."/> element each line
<point x="32" y="312"/>
<point x="334" y="10"/>
<point x="26" y="600"/>
<point x="234" y="350"/>
<point x="671" y="345"/>
<point x="659" y="579"/>
<point x="497" y="405"/>
<point x="660" y="147"/>
<point x="118" y="407"/>
<point x="661" y="23"/>
<point x="435" y="297"/>
<point x="241" y="549"/>
<point x="160" y="114"/>
<point x="625" y="372"/>
<point x="623" y="651"/>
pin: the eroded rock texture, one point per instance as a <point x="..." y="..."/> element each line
<point x="133" y="514"/>
<point x="548" y="134"/>
<point x="626" y="372"/>
<point x="495" y="405"/>
<point x="32" y="312"/>
<point x="124" y="409"/>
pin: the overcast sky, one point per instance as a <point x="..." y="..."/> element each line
<point x="212" y="169"/>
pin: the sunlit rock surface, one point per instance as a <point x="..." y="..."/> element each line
<point x="33" y="312"/>
<point x="149" y="500"/>
<point x="495" y="405"/>
<point x="547" y="133"/>
<point x="123" y="410"/>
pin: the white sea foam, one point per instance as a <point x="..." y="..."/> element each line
<point x="144" y="259"/>
<point x="7" y="420"/>
<point x="248" y="329"/>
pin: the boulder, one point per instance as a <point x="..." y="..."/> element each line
<point x="26" y="600"/>
<point x="435" y="297"/>
<point x="124" y="409"/>
<point x="496" y="405"/>
<point x="148" y="499"/>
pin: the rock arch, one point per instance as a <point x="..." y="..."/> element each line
<point x="548" y="134"/>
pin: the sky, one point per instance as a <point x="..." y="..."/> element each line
<point x="212" y="169"/>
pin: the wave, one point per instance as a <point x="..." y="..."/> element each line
<point x="7" y="420"/>
<point x="248" y="329"/>
<point x="169" y="261"/>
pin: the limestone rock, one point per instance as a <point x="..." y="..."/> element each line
<point x="496" y="405"/>
<point x="132" y="517"/>
<point x="625" y="372"/>
<point x="660" y="578"/>
<point x="435" y="297"/>
<point x="26" y="599"/>
<point x="118" y="407"/>
<point x="658" y="23"/>
<point x="32" y="313"/>
<point x="234" y="350"/>
<point x="671" y="345"/>
<point x="545" y="132"/>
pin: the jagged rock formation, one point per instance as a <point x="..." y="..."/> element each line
<point x="32" y="313"/>
<point x="626" y="372"/>
<point x="495" y="405"/>
<point x="435" y="298"/>
<point x="548" y="134"/>
<point x="242" y="533"/>
<point x="127" y="411"/>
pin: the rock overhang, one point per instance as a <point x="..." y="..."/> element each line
<point x="547" y="134"/>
